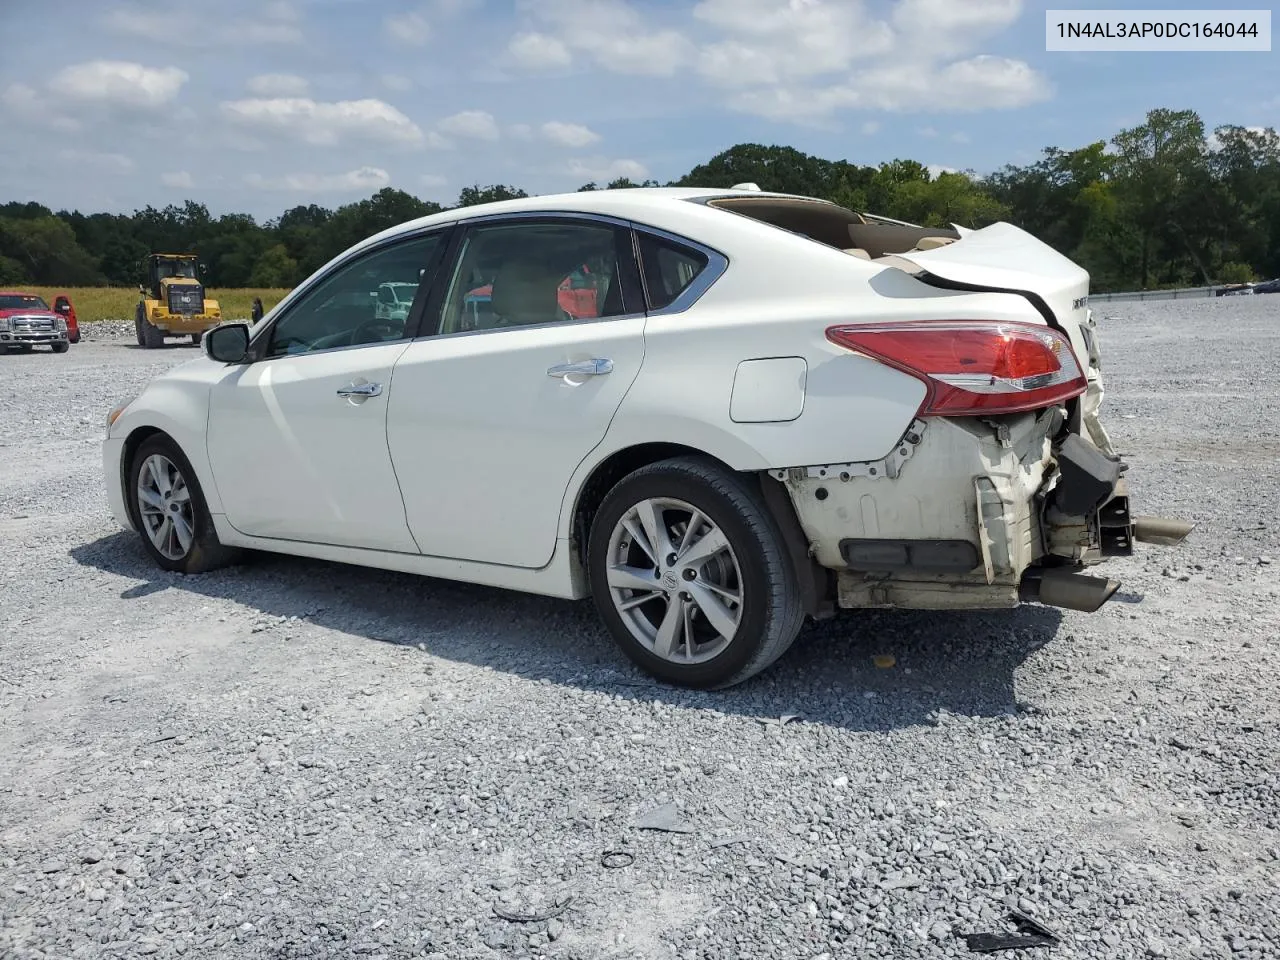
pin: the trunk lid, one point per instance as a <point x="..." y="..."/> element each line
<point x="1003" y="257"/>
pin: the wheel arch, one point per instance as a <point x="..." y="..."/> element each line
<point x="814" y="580"/>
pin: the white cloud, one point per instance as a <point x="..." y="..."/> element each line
<point x="870" y="128"/>
<point x="598" y="169"/>
<point x="771" y="42"/>
<point x="324" y="124"/>
<point x="573" y="135"/>
<point x="179" y="179"/>
<point x="410" y="29"/>
<point x="119" y="83"/>
<point x="979" y="83"/>
<point x="929" y="132"/>
<point x="520" y="131"/>
<point x="537" y="51"/>
<point x="611" y="34"/>
<point x="278" y="85"/>
<point x="961" y="137"/>
<point x="935" y="169"/>
<point x="797" y="60"/>
<point x="91" y="161"/>
<point x="394" y="81"/>
<point x="363" y="179"/>
<point x="433" y="180"/>
<point x="472" y="124"/>
<point x="438" y="141"/>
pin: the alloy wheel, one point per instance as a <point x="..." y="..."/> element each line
<point x="164" y="507"/>
<point x="674" y="580"/>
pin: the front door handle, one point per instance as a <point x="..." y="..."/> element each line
<point x="583" y="368"/>
<point x="360" y="390"/>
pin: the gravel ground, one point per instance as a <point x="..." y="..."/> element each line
<point x="294" y="759"/>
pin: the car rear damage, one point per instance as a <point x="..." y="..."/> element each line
<point x="983" y="511"/>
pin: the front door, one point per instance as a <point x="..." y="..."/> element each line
<point x="491" y="417"/>
<point x="297" y="438"/>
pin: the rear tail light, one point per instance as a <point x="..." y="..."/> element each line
<point x="973" y="367"/>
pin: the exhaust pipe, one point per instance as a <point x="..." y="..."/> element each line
<point x="1161" y="531"/>
<point x="1072" y="591"/>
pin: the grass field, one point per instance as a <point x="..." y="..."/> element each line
<point x="119" y="303"/>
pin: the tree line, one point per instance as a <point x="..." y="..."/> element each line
<point x="1162" y="204"/>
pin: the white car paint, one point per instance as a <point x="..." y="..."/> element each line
<point x="485" y="441"/>
<point x="768" y="390"/>
<point x="470" y="463"/>
<point x="293" y="460"/>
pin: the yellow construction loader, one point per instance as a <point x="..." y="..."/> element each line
<point x="172" y="302"/>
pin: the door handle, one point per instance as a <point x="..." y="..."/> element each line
<point x="583" y="368"/>
<point x="360" y="390"/>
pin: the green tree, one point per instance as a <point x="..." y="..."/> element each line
<point x="475" y="195"/>
<point x="47" y="251"/>
<point x="275" y="268"/>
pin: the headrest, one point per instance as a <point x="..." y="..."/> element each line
<point x="525" y="292"/>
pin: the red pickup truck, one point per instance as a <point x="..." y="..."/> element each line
<point x="26" y="321"/>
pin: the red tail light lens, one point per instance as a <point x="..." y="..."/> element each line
<point x="973" y="367"/>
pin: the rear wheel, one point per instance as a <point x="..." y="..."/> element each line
<point x="196" y="338"/>
<point x="169" y="508"/>
<point x="688" y="572"/>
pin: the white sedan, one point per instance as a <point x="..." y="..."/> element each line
<point x="747" y="408"/>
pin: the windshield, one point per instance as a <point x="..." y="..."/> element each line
<point x="22" y="301"/>
<point x="176" y="268"/>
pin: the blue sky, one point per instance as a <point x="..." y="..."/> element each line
<point x="271" y="103"/>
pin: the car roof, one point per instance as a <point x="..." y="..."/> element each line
<point x="17" y="293"/>
<point x="623" y="203"/>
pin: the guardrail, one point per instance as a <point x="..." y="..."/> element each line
<point x="1184" y="293"/>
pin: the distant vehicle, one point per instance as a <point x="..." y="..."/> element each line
<point x="394" y="300"/>
<point x="172" y="301"/>
<point x="62" y="305"/>
<point x="1267" y="286"/>
<point x="714" y="411"/>
<point x="1235" y="290"/>
<point x="27" y="321"/>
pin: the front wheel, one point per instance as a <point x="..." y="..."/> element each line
<point x="170" y="510"/>
<point x="60" y="347"/>
<point x="688" y="572"/>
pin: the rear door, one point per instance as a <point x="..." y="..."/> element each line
<point x="493" y="413"/>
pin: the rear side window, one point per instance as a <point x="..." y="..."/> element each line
<point x="669" y="268"/>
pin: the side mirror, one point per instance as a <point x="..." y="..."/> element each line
<point x="227" y="343"/>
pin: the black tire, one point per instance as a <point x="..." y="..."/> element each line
<point x="196" y="338"/>
<point x="152" y="337"/>
<point x="771" y="614"/>
<point x="138" y="316"/>
<point x="205" y="552"/>
<point x="76" y="338"/>
<point x="60" y="347"/>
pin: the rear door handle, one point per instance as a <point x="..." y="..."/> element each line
<point x="360" y="390"/>
<point x="583" y="368"/>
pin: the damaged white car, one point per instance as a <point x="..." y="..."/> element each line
<point x="716" y="412"/>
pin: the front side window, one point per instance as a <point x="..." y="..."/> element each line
<point x="365" y="301"/>
<point x="532" y="272"/>
<point x="669" y="268"/>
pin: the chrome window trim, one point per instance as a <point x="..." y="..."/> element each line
<point x="283" y="308"/>
<point x="549" y="325"/>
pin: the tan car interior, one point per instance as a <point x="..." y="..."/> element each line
<point x="859" y="236"/>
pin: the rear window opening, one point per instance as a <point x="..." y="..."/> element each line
<point x="861" y="235"/>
